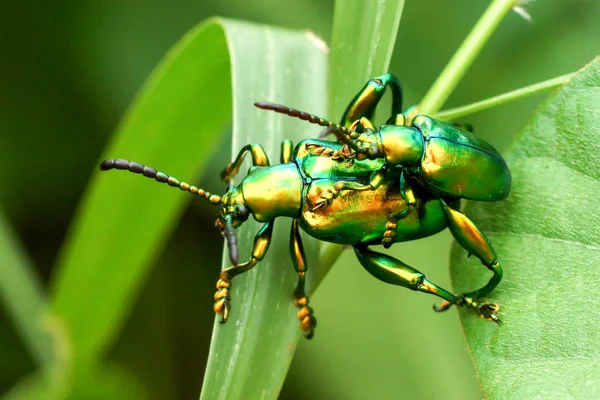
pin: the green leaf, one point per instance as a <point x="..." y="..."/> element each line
<point x="250" y="355"/>
<point x="104" y="382"/>
<point x="123" y="223"/>
<point x="547" y="237"/>
<point x="22" y="295"/>
<point x="364" y="33"/>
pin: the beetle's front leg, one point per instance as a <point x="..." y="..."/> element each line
<point x="474" y="241"/>
<point x="259" y="158"/>
<point x="332" y="193"/>
<point x="222" y="296"/>
<point x="366" y="100"/>
<point x="411" y="202"/>
<point x="305" y="314"/>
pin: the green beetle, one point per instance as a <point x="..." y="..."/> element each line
<point x="376" y="204"/>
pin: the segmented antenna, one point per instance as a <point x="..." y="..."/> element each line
<point x="161" y="177"/>
<point x="342" y="133"/>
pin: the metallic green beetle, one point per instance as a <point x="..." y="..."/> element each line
<point x="342" y="193"/>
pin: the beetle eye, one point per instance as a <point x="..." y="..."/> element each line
<point x="242" y="212"/>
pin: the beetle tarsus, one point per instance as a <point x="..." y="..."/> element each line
<point x="389" y="234"/>
<point x="489" y="311"/>
<point x="483" y="309"/>
<point x="308" y="322"/>
<point x="223" y="299"/>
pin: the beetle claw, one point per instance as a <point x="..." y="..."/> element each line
<point x="488" y="311"/>
<point x="483" y="309"/>
<point x="442" y="307"/>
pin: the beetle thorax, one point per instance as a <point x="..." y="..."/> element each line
<point x="402" y="144"/>
<point x="273" y="191"/>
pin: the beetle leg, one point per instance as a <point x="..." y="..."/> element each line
<point x="362" y="125"/>
<point x="397" y="119"/>
<point x="474" y="241"/>
<point x="411" y="202"/>
<point x="259" y="158"/>
<point x="332" y="193"/>
<point x="222" y="296"/>
<point x="341" y="155"/>
<point x="408" y="196"/>
<point x="366" y="100"/>
<point x="287" y="151"/>
<point x="305" y="314"/>
<point x="394" y="271"/>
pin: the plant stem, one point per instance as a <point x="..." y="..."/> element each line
<point x="464" y="56"/>
<point x="501" y="99"/>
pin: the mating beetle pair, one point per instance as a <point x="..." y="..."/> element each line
<point x="383" y="185"/>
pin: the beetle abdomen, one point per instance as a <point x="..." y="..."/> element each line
<point x="459" y="164"/>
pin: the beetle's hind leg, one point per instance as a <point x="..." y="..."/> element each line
<point x="259" y="158"/>
<point x="222" y="296"/>
<point x="391" y="270"/>
<point x="474" y="241"/>
<point x="305" y="314"/>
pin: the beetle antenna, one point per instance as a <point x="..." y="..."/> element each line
<point x="343" y="134"/>
<point x="161" y="177"/>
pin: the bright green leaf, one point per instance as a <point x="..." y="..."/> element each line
<point x="547" y="236"/>
<point x="250" y="355"/>
<point x="22" y="295"/>
<point x="364" y="34"/>
<point x="124" y="221"/>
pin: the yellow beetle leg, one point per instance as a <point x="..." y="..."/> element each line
<point x="305" y="314"/>
<point x="222" y="296"/>
<point x="474" y="241"/>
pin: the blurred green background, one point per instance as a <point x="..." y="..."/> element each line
<point x="68" y="71"/>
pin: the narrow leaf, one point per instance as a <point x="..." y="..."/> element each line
<point x="547" y="236"/>
<point x="22" y="295"/>
<point x="364" y="33"/>
<point x="124" y="220"/>
<point x="250" y="355"/>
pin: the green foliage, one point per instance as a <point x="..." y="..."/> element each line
<point x="21" y="292"/>
<point x="99" y="274"/>
<point x="547" y="235"/>
<point x="372" y="36"/>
